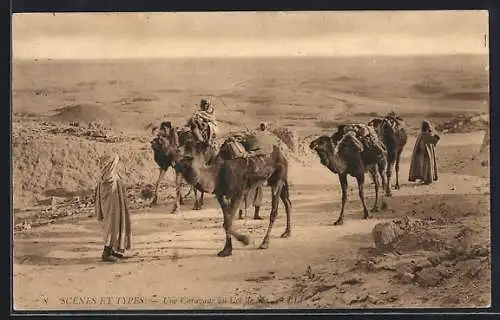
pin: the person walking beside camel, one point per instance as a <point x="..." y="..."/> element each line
<point x="111" y="208"/>
<point x="423" y="165"/>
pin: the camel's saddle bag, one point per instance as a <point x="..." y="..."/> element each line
<point x="236" y="149"/>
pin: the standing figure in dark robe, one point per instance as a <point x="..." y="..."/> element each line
<point x="423" y="165"/>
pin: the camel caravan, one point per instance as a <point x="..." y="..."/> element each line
<point x="236" y="170"/>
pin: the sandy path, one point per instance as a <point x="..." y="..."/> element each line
<point x="176" y="253"/>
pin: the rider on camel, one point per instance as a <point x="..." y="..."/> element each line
<point x="203" y="123"/>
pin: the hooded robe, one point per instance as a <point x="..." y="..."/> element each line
<point x="111" y="206"/>
<point x="423" y="165"/>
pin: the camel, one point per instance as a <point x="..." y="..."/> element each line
<point x="230" y="179"/>
<point x="163" y="157"/>
<point x="394" y="137"/>
<point x="344" y="154"/>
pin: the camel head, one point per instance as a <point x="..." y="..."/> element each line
<point x="161" y="144"/>
<point x="375" y="123"/>
<point x="324" y="148"/>
<point x="166" y="139"/>
<point x="386" y="126"/>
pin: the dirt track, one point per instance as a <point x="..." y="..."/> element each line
<point x="175" y="259"/>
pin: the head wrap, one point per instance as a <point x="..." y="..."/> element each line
<point x="426" y="126"/>
<point x="109" y="166"/>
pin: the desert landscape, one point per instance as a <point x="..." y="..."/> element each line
<point x="85" y="85"/>
<point x="68" y="113"/>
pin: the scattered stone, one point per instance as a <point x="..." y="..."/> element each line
<point x="404" y="267"/>
<point x="444" y="271"/>
<point x="409" y="224"/>
<point x="434" y="260"/>
<point x="366" y="265"/>
<point x="428" y="277"/>
<point x="407" y="278"/>
<point x="353" y="280"/>
<point x="433" y="244"/>
<point x="463" y="241"/>
<point x="385" y="234"/>
<point x="372" y="299"/>
<point x="350" y="298"/>
<point x="422" y="264"/>
<point x="272" y="299"/>
<point x="474" y="270"/>
<point x="481" y="252"/>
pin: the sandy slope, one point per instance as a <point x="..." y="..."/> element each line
<point x="175" y="261"/>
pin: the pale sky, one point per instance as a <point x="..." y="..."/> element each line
<point x="233" y="34"/>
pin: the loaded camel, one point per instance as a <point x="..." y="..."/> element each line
<point x="244" y="143"/>
<point x="163" y="158"/>
<point x="394" y="137"/>
<point x="344" y="154"/>
<point x="230" y="179"/>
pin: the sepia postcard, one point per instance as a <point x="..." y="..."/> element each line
<point x="251" y="160"/>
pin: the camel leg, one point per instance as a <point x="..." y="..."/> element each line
<point x="197" y="205"/>
<point x="181" y="200"/>
<point x="382" y="173"/>
<point x="398" y="159"/>
<point x="228" y="246"/>
<point x="160" y="178"/>
<point x="373" y="174"/>
<point x="285" y="198"/>
<point x="343" y="185"/>
<point x="229" y="212"/>
<point x="234" y="205"/>
<point x="199" y="201"/>
<point x="276" y="190"/>
<point x="178" y="183"/>
<point x="390" y="164"/>
<point x="256" y="213"/>
<point x="361" y="192"/>
<point x="178" y="198"/>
